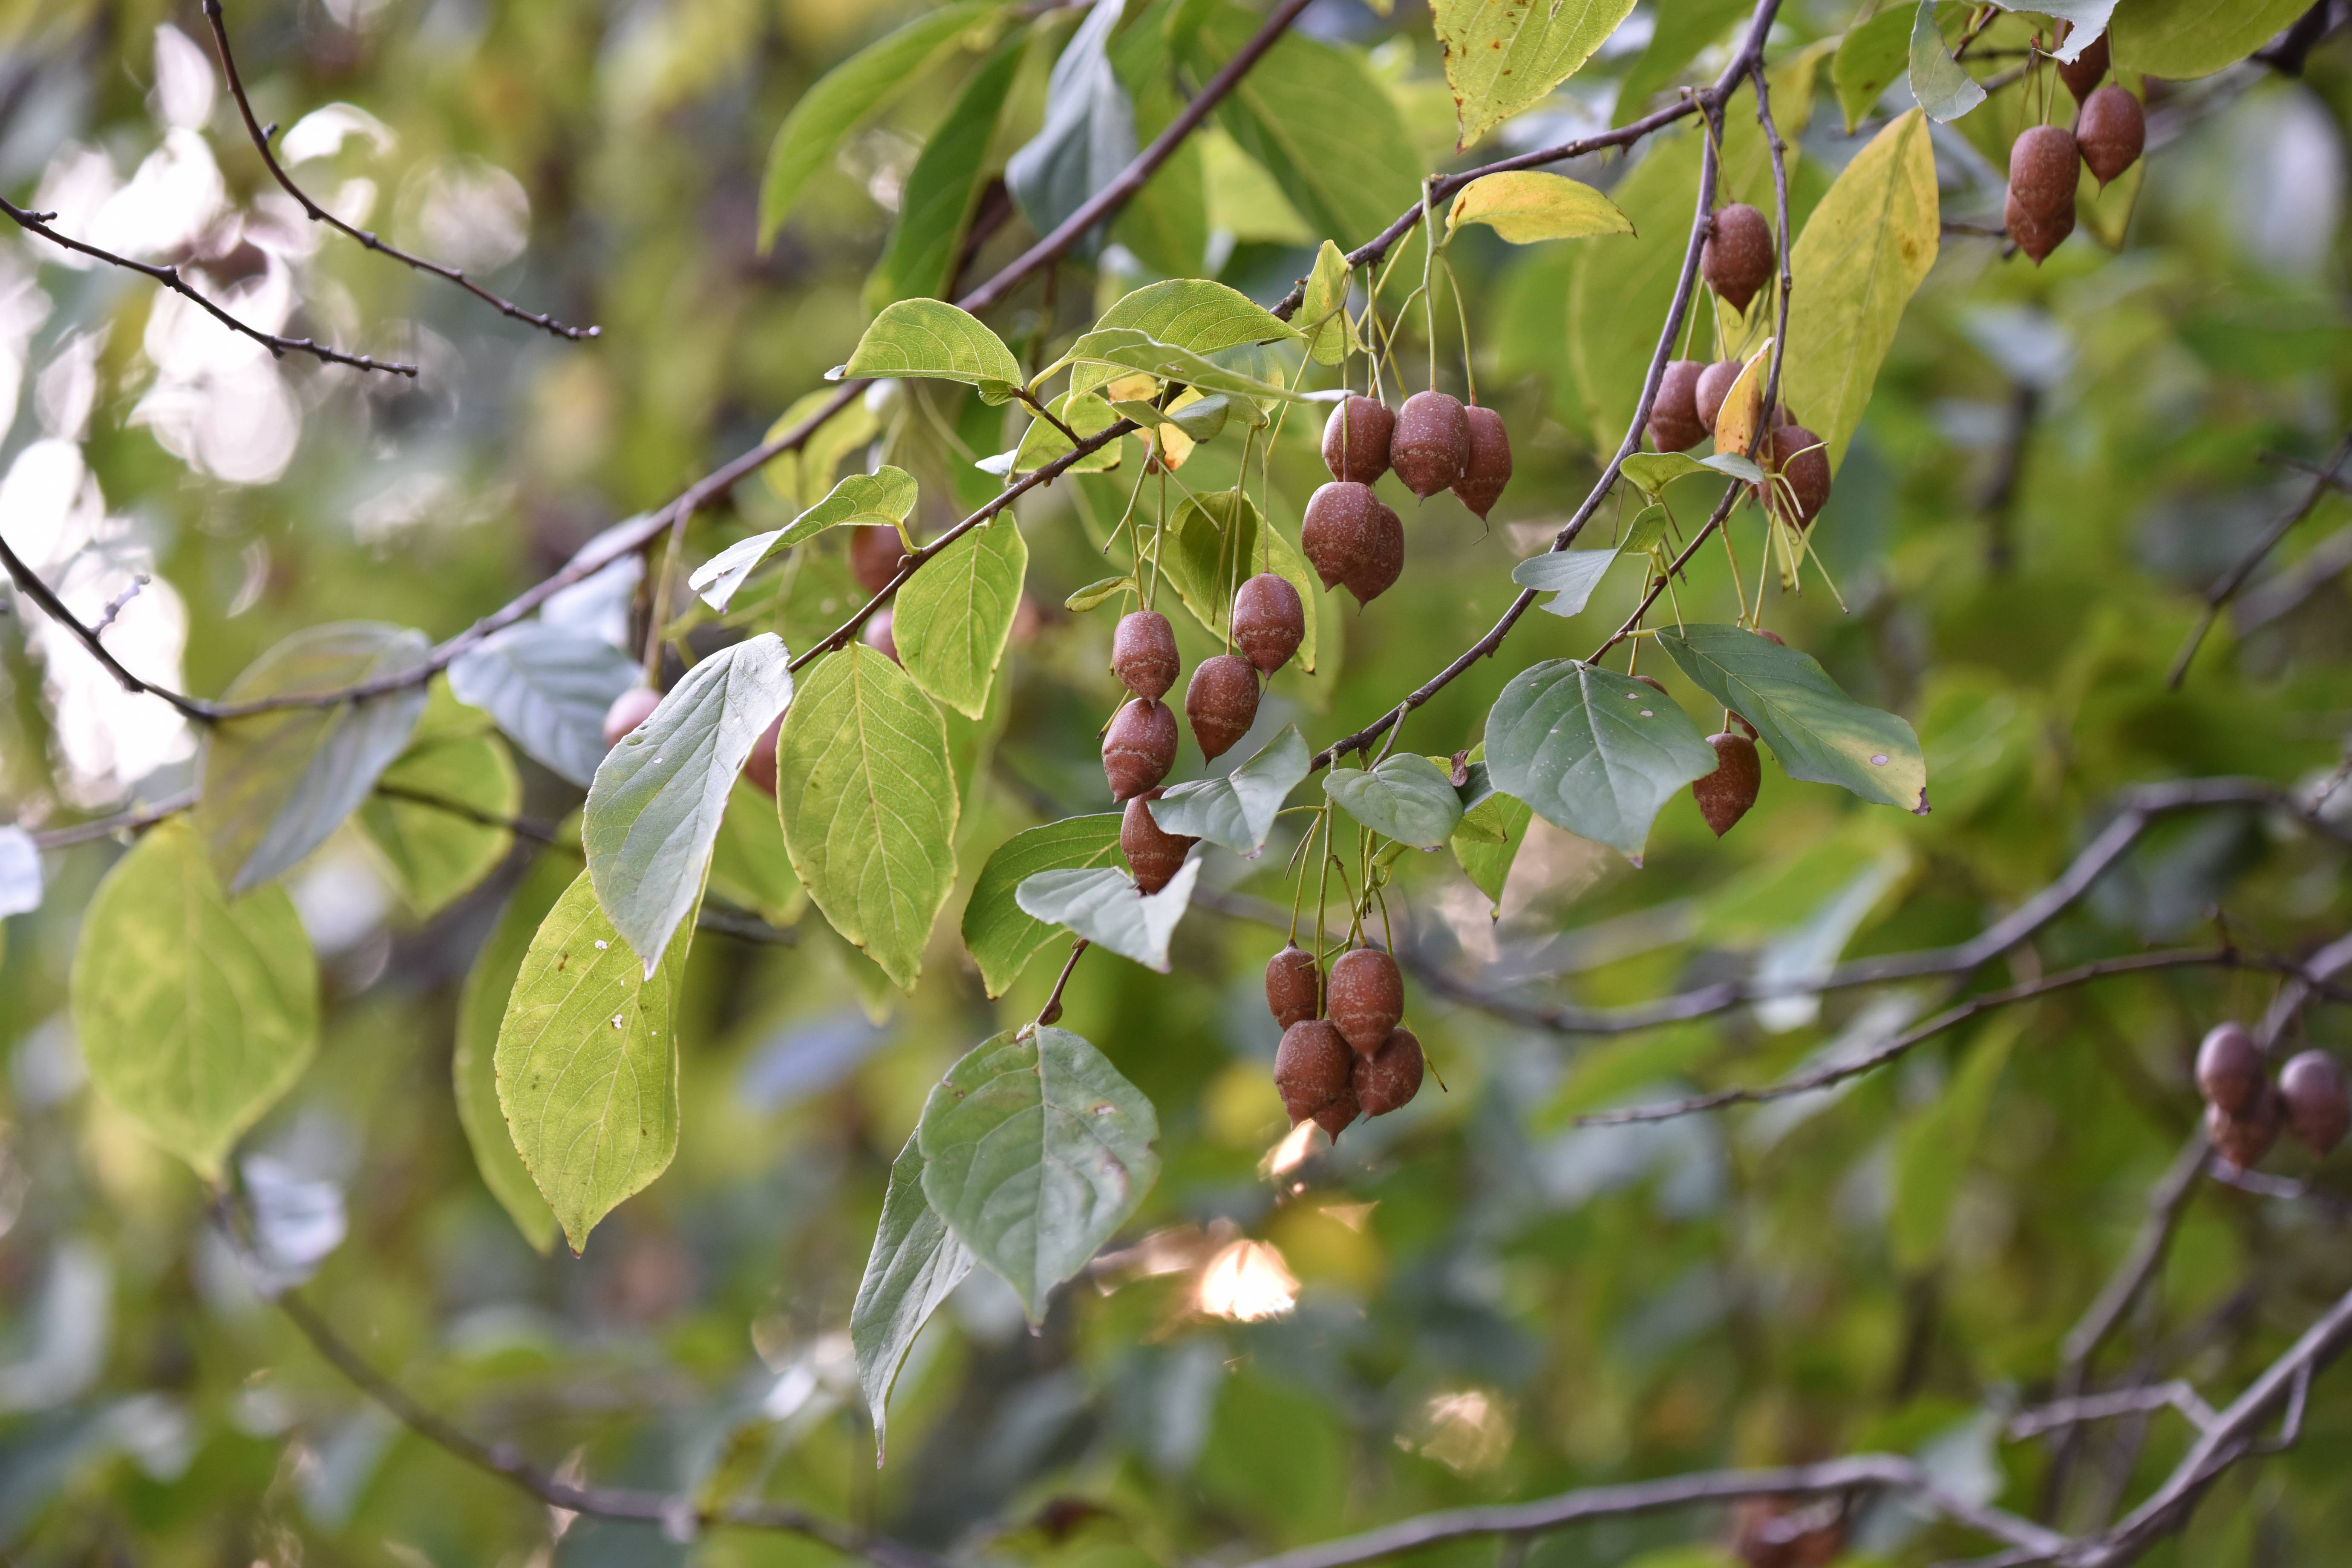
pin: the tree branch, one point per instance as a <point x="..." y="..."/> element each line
<point x="2222" y="592"/>
<point x="29" y="584"/>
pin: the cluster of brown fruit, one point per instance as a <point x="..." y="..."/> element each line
<point x="2046" y="162"/>
<point x="1344" y="1050"/>
<point x="2244" y="1109"/>
<point x="1269" y="622"/>
<point x="1434" y="442"/>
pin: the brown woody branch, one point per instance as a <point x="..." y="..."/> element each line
<point x="2222" y="591"/>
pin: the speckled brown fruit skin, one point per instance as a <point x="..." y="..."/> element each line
<point x="2036" y="237"/>
<point x="1356" y="439"/>
<point x="1389" y="1079"/>
<point x="1139" y="747"/>
<point x="2083" y="73"/>
<point x="1222" y="702"/>
<point x="1312" y="1067"/>
<point x="874" y="553"/>
<point x="1269" y="621"/>
<point x="1714" y="386"/>
<point x="629" y="709"/>
<point x="1797" y="455"/>
<point x="1339" y="1115"/>
<point x="1725" y="795"/>
<point x="1365" y="997"/>
<point x="1489" y="468"/>
<point x="1432" y="442"/>
<point x="1674" y="424"/>
<point x="2243" y="1140"/>
<point x="2230" y="1068"/>
<point x="877" y="635"/>
<point x="1294" y="987"/>
<point x="2044" y="168"/>
<point x="2318" y="1106"/>
<point x="1333" y="533"/>
<point x="2111" y="131"/>
<point x="1143" y="653"/>
<point x="1153" y="855"/>
<point x="1737" y="260"/>
<point x="1380" y="556"/>
<point x="760" y="767"/>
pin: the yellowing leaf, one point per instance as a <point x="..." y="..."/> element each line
<point x="1505" y="55"/>
<point x="1526" y="205"/>
<point x="1743" y="405"/>
<point x="1323" y="308"/>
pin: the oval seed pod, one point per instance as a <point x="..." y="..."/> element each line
<point x="1139" y="747"/>
<point x="874" y="553"/>
<point x="1737" y="260"/>
<point x="1389" y="1077"/>
<point x="1312" y="1067"/>
<point x="1365" y="996"/>
<point x="1269" y="621"/>
<point x="1797" y="456"/>
<point x="1356" y="439"/>
<point x="760" y="767"/>
<point x="1380" y="555"/>
<point x="2111" y="131"/>
<point x="2082" y="73"/>
<point x="1489" y="468"/>
<point x="1725" y="795"/>
<point x="2243" y="1140"/>
<point x="1674" y="424"/>
<point x="1153" y="855"/>
<point x="2229" y="1068"/>
<point x="2318" y="1105"/>
<point x="1714" y="386"/>
<point x="1333" y="533"/>
<point x="629" y="709"/>
<point x="1294" y="987"/>
<point x="2044" y="168"/>
<point x="1431" y="443"/>
<point x="1143" y="653"/>
<point x="876" y="634"/>
<point x="1222" y="702"/>
<point x="2037" y="236"/>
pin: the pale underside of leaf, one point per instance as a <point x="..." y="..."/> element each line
<point x="916" y="1264"/>
<point x="1001" y="936"/>
<point x="549" y="688"/>
<point x="1238" y="810"/>
<point x="1105" y="907"/>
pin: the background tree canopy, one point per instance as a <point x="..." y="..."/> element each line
<point x="1276" y="782"/>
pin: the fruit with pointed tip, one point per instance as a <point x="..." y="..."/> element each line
<point x="1713" y="387"/>
<point x="2111" y="131"/>
<point x="2318" y="1105"/>
<point x="1143" y="653"/>
<point x="1356" y="438"/>
<point x="2082" y="73"/>
<point x="877" y="635"/>
<point x="1365" y="997"/>
<point x="874" y="553"/>
<point x="1674" y="424"/>
<point x="1737" y="260"/>
<point x="760" y="767"/>
<point x="1489" y="468"/>
<point x="1269" y="621"/>
<point x="1294" y="987"/>
<point x="629" y="709"/>
<point x="1389" y="1079"/>
<point x="1725" y="795"/>
<point x="1222" y="702"/>
<point x="2037" y="236"/>
<point x="2230" y="1068"/>
<point x="1800" y="464"/>
<point x="1152" y="854"/>
<point x="1313" y="1068"/>
<point x="1430" y="445"/>
<point x="1380" y="556"/>
<point x="1333" y="536"/>
<point x="1139" y="747"/>
<point x="2245" y="1138"/>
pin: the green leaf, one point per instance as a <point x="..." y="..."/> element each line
<point x="1932" y="1151"/>
<point x="587" y="1060"/>
<point x="1568" y="575"/>
<point x="933" y="339"/>
<point x="1872" y="58"/>
<point x="1816" y="730"/>
<point x="1651" y="472"/>
<point x="1591" y="750"/>
<point x="473" y="1067"/>
<point x="952" y="619"/>
<point x="1002" y="937"/>
<point x="194" y="1012"/>
<point x="1237" y="810"/>
<point x="1085" y="414"/>
<point x="1493" y="828"/>
<point x="1101" y="592"/>
<point x="1941" y="84"/>
<point x="1405" y="798"/>
<point x="801" y="477"/>
<point x="1106" y="353"/>
<point x="1191" y="313"/>
<point x="2178" y="39"/>
<point x="1861" y="257"/>
<point x="884" y="498"/>
<point x="1619" y="291"/>
<point x="1323" y="309"/>
<point x="1165" y="224"/>
<point x="654" y="808"/>
<point x="1104" y="907"/>
<point x="1682" y="31"/>
<point x="1207" y="550"/>
<point x="916" y="1264"/>
<point x="869" y="807"/>
<point x="846" y="94"/>
<point x="748" y="866"/>
<point x="942" y="190"/>
<point x="277" y="783"/>
<point x="1088" y="138"/>
<point x="1646" y="533"/>
<point x="1035" y="1150"/>
<point x="549" y="688"/>
<point x="436" y="851"/>
<point x="1526" y="206"/>
<point x="1502" y="56"/>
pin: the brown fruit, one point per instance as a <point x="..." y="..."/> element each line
<point x="2036" y="237"/>
<point x="1336" y="1117"/>
<point x="760" y="767"/>
<point x="1222" y="702"/>
<point x="1489" y="468"/>
<point x="874" y="553"/>
<point x="2230" y="1068"/>
<point x="1153" y="855"/>
<point x="2082" y="73"/>
<point x="2044" y="167"/>
<point x="1356" y="438"/>
<point x="1139" y="747"/>
<point x="1338" y="514"/>
<point x="1294" y="987"/>
<point x="1797" y="456"/>
<point x="1737" y="260"/>
<point x="629" y="709"/>
<point x="1725" y="795"/>
<point x="1674" y="424"/>
<point x="2111" y="131"/>
<point x="2243" y="1140"/>
<point x="1390" y="1077"/>
<point x="1143" y="653"/>
<point x="877" y="635"/>
<point x="1312" y="1068"/>
<point x="2318" y="1106"/>
<point x="1269" y="621"/>
<point x="1430" y="445"/>
<point x="1714" y="386"/>
<point x="1365" y="997"/>
<point x="1380" y="556"/>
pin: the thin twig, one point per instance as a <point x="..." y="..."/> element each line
<point x="1051" y="1013"/>
<point x="2222" y="591"/>
<point x="2065" y="1413"/>
<point x="28" y="583"/>
<point x="130" y="821"/>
